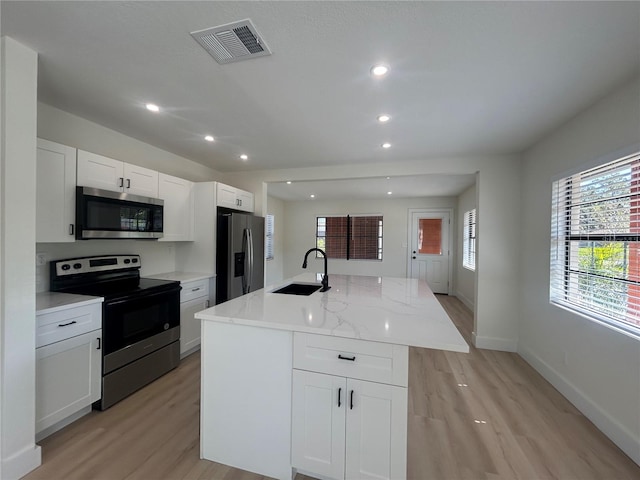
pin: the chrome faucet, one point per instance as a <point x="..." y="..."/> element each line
<point x="325" y="278"/>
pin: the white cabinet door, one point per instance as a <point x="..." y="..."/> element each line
<point x="244" y="200"/>
<point x="177" y="194"/>
<point x="140" y="181"/>
<point x="226" y="196"/>
<point x="376" y="438"/>
<point x="318" y="423"/>
<point x="68" y="376"/>
<point x="190" y="326"/>
<point x="100" y="172"/>
<point x="55" y="192"/>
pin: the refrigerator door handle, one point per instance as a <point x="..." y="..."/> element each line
<point x="245" y="248"/>
<point x="250" y="245"/>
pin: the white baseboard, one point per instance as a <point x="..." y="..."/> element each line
<point x="490" y="343"/>
<point x="466" y="301"/>
<point x="618" y="433"/>
<point x="18" y="465"/>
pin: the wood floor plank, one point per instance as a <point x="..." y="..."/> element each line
<point x="531" y="431"/>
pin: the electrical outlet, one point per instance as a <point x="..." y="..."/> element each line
<point x="41" y="259"/>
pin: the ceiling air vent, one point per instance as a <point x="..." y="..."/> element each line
<point x="232" y="42"/>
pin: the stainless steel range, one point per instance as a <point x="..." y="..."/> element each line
<point x="140" y="319"/>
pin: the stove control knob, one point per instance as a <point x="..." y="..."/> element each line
<point x="126" y="260"/>
<point x="77" y="266"/>
<point x="134" y="260"/>
<point x="65" y="266"/>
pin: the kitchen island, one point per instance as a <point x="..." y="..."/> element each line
<point x="317" y="383"/>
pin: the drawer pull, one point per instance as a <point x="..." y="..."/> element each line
<point x="195" y="289"/>
<point x="99" y="343"/>
<point x="339" y="395"/>
<point x="351" y="401"/>
<point x="351" y="359"/>
<point x="67" y="324"/>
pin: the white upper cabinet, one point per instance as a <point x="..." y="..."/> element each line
<point x="108" y="174"/>
<point x="232" y="197"/>
<point x="55" y="192"/>
<point x="178" y="197"/>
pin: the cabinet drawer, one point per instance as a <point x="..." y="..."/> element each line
<point x="196" y="289"/>
<point x="361" y="359"/>
<point x="56" y="326"/>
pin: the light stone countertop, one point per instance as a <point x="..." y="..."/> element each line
<point x="49" y="302"/>
<point x="182" y="277"/>
<point x="401" y="311"/>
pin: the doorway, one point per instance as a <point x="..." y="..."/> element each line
<point x="430" y="247"/>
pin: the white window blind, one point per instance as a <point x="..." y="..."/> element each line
<point x="268" y="226"/>
<point x="595" y="243"/>
<point x="469" y="240"/>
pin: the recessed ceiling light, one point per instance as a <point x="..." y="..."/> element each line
<point x="209" y="138"/>
<point x="383" y="118"/>
<point x="389" y="193"/>
<point x="244" y="157"/>
<point x="152" y="107"/>
<point x="386" y="145"/>
<point x="288" y="182"/>
<point x="388" y="178"/>
<point x="312" y="196"/>
<point x="379" y="70"/>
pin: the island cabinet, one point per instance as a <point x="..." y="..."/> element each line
<point x="344" y="426"/>
<point x="316" y="384"/>
<point x="109" y="174"/>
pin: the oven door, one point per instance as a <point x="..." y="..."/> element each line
<point x="132" y="323"/>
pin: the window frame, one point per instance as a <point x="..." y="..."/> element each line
<point x="348" y="236"/>
<point x="570" y="243"/>
<point x="469" y="231"/>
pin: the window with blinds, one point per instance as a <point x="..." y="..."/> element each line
<point x="595" y="243"/>
<point x="268" y="235"/>
<point x="469" y="240"/>
<point x="347" y="237"/>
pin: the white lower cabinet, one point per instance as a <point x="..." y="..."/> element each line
<point x="68" y="377"/>
<point x="194" y="297"/>
<point x="343" y="427"/>
<point x="346" y="428"/>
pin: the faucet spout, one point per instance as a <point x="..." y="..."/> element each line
<point x="325" y="278"/>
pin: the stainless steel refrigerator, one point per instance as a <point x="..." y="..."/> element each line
<point x="239" y="254"/>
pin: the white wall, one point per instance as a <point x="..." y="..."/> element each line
<point x="595" y="367"/>
<point x="300" y="233"/>
<point x="19" y="71"/>
<point x="465" y="286"/>
<point x="274" y="269"/>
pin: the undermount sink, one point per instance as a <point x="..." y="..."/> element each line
<point x="299" y="289"/>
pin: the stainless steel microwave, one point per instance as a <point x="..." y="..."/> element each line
<point x="106" y="214"/>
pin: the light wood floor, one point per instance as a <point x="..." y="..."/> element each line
<point x="482" y="415"/>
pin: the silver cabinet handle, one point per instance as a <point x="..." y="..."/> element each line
<point x="71" y="229"/>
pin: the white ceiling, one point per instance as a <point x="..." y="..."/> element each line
<point x="466" y="78"/>
<point x="375" y="187"/>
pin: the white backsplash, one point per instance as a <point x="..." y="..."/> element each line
<point x="156" y="257"/>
